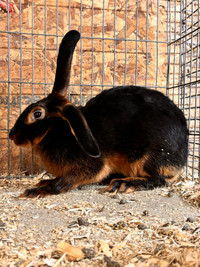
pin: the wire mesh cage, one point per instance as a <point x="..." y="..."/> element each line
<point x="184" y="71"/>
<point x="122" y="43"/>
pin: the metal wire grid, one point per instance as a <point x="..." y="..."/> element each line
<point x="9" y="80"/>
<point x="184" y="71"/>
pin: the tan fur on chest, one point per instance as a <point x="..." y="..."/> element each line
<point x="55" y="169"/>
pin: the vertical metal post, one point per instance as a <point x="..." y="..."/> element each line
<point x="114" y="63"/>
<point x="190" y="81"/>
<point x="57" y="26"/>
<point x="92" y="36"/>
<point x="198" y="83"/>
<point x="20" y="85"/>
<point x="103" y="45"/>
<point x="125" y="42"/>
<point x="168" y="43"/>
<point x="69" y="21"/>
<point x="147" y="27"/>
<point x="32" y="71"/>
<point x="157" y="47"/>
<point x="81" y="51"/>
<point x="45" y="47"/>
<point x="9" y="80"/>
<point x="174" y="60"/>
<point x="136" y="50"/>
<point x="180" y="92"/>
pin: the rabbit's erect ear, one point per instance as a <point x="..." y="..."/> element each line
<point x="81" y="130"/>
<point x="64" y="61"/>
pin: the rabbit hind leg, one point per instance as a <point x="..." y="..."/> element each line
<point x="130" y="184"/>
<point x="136" y="176"/>
<point x="149" y="180"/>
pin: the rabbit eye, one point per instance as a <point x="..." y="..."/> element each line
<point x="37" y="114"/>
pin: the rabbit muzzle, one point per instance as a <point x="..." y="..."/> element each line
<point x="19" y="140"/>
<point x="12" y="134"/>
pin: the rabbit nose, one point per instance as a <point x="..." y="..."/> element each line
<point x="12" y="134"/>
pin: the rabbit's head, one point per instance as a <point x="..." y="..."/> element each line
<point x="37" y="119"/>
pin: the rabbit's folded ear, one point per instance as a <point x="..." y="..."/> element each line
<point x="64" y="61"/>
<point x="81" y="130"/>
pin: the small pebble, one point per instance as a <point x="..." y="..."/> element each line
<point x="158" y="248"/>
<point x="119" y="225"/>
<point x="141" y="226"/>
<point x="122" y="224"/>
<point x="2" y="224"/>
<point x="166" y="225"/>
<point x="186" y="227"/>
<point x="145" y="213"/>
<point x="101" y="209"/>
<point x="89" y="253"/>
<point x="190" y="219"/>
<point x="82" y="221"/>
<point x="110" y="263"/>
<point x="56" y="254"/>
<point x="123" y="201"/>
<point x="111" y="246"/>
<point x="170" y="194"/>
<point x="116" y="196"/>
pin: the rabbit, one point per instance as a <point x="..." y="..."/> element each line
<point x="135" y="132"/>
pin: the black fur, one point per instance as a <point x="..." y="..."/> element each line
<point x="81" y="130"/>
<point x="64" y="61"/>
<point x="135" y="120"/>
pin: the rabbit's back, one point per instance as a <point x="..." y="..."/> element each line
<point x="136" y="121"/>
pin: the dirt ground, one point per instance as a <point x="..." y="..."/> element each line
<point x="88" y="227"/>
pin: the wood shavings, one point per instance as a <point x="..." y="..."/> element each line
<point x="105" y="248"/>
<point x="189" y="190"/>
<point x="30" y="230"/>
<point x="73" y="253"/>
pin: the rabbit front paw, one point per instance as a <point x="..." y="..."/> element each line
<point x="47" y="187"/>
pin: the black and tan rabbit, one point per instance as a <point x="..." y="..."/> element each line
<point x="129" y="130"/>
